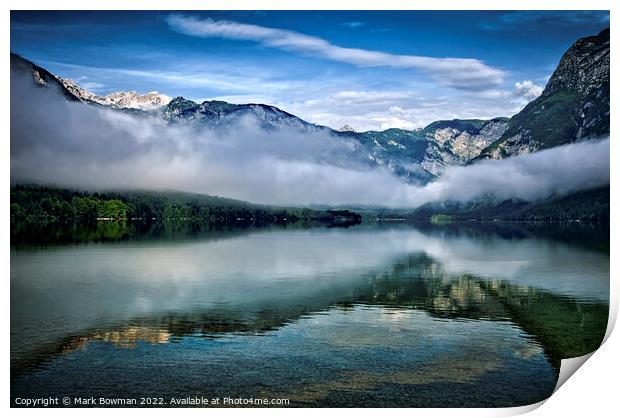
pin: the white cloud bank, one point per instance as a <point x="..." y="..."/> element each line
<point x="72" y="144"/>
<point x="556" y="171"/>
<point x="461" y="73"/>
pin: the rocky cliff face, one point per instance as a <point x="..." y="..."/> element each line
<point x="424" y="153"/>
<point x="456" y="145"/>
<point x="574" y="105"/>
<point x="41" y="77"/>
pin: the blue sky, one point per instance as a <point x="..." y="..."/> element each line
<point x="371" y="70"/>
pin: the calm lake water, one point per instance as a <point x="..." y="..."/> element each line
<point x="372" y="315"/>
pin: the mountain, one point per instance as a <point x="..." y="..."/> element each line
<point x="120" y="99"/>
<point x="574" y="105"/>
<point x="346" y="128"/>
<point x="417" y="156"/>
<point x="431" y="149"/>
<point x="218" y="114"/>
<point x="41" y="77"/>
<point x="72" y="91"/>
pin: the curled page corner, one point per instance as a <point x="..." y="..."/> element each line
<point x="611" y="322"/>
<point x="569" y="366"/>
<point x="519" y="410"/>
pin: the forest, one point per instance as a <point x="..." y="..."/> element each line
<point x="591" y="206"/>
<point x="34" y="203"/>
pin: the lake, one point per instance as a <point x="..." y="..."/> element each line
<point x="378" y="315"/>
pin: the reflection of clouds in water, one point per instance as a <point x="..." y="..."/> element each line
<point x="299" y="254"/>
<point x="287" y="268"/>
<point x="533" y="262"/>
<point x="258" y="256"/>
<point x="274" y="279"/>
<point x="529" y="351"/>
<point x="404" y="328"/>
<point x="351" y="329"/>
<point x="440" y="351"/>
<point x="446" y="370"/>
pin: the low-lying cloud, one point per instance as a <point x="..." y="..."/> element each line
<point x="556" y="171"/>
<point x="54" y="141"/>
<point x="461" y="73"/>
<point x="527" y="89"/>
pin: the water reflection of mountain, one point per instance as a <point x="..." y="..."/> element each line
<point x="564" y="326"/>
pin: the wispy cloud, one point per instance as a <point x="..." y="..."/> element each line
<point x="92" y="86"/>
<point x="191" y="78"/>
<point x="353" y="25"/>
<point x="461" y="73"/>
<point x="353" y="96"/>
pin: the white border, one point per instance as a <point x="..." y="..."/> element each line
<point x="594" y="388"/>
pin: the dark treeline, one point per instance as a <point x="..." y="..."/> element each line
<point x="33" y="203"/>
<point x="41" y="233"/>
<point x="585" y="206"/>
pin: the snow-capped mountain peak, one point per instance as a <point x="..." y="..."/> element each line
<point x="346" y="128"/>
<point x="120" y="99"/>
<point x="133" y="100"/>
